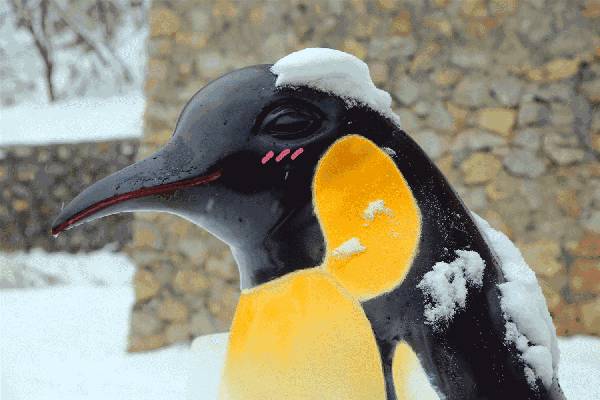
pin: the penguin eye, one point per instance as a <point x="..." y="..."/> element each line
<point x="286" y="121"/>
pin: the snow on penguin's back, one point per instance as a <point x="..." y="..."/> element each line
<point x="528" y="323"/>
<point x="335" y="72"/>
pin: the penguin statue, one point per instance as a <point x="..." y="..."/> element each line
<point x="361" y="269"/>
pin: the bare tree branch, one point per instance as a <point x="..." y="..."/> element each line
<point x="39" y="34"/>
<point x="104" y="52"/>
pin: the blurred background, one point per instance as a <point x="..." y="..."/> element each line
<point x="504" y="95"/>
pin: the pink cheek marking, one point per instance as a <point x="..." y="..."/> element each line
<point x="282" y="155"/>
<point x="267" y="157"/>
<point x="296" y="153"/>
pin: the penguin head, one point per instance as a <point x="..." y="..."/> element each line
<point x="244" y="150"/>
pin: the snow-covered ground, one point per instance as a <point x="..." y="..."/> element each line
<point x="579" y="368"/>
<point x="67" y="341"/>
<point x="64" y="336"/>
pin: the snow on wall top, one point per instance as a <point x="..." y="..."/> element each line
<point x="335" y="72"/>
<point x="85" y="119"/>
<point x="529" y="324"/>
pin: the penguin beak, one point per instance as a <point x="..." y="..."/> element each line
<point x="137" y="187"/>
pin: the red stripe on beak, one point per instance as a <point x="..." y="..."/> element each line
<point x="135" y="194"/>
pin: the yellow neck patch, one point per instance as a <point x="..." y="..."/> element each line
<point x="369" y="217"/>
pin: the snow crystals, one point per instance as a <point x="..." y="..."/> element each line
<point x="391" y="152"/>
<point x="374" y="208"/>
<point x="445" y="286"/>
<point x="348" y="248"/>
<point x="335" y="72"/>
<point x="528" y="322"/>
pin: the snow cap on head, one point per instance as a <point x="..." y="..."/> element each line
<point x="335" y="72"/>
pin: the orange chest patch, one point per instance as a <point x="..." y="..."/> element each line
<point x="301" y="337"/>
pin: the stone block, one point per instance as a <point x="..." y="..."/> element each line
<point x="588" y="245"/>
<point x="555" y="70"/>
<point x="145" y="323"/>
<point x="190" y="281"/>
<point x="567" y="319"/>
<point x="201" y="323"/>
<point x="590" y="316"/>
<point x="171" y="309"/>
<point x="525" y="163"/>
<point x="472" y="91"/>
<point x="563" y="149"/>
<point x="406" y="91"/>
<point x="401" y="24"/>
<point x="584" y="276"/>
<point x="591" y="90"/>
<point x="146" y="285"/>
<point x="480" y="168"/>
<point x="568" y="202"/>
<point x="507" y="90"/>
<point x="139" y="343"/>
<point x="498" y="120"/>
<point x="447" y="77"/>
<point x="433" y="144"/>
<point x="543" y="256"/>
<point x="163" y="21"/>
<point x="177" y="332"/>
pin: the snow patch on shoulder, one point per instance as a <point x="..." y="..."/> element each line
<point x="528" y="323"/>
<point x="348" y="248"/>
<point x="336" y="72"/>
<point x="374" y="208"/>
<point x="445" y="286"/>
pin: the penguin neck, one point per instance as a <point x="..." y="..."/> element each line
<point x="294" y="243"/>
<point x="445" y="220"/>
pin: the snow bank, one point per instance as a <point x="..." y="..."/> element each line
<point x="38" y="268"/>
<point x="335" y="72"/>
<point x="348" y="248"/>
<point x="445" y="286"/>
<point x="208" y="360"/>
<point x="579" y="373"/>
<point x="69" y="343"/>
<point x="78" y="120"/>
<point x="528" y="323"/>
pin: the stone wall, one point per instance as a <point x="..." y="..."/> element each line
<point x="503" y="95"/>
<point x="36" y="181"/>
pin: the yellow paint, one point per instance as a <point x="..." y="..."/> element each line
<point x="305" y="335"/>
<point x="353" y="173"/>
<point x="301" y="337"/>
<point x="410" y="380"/>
